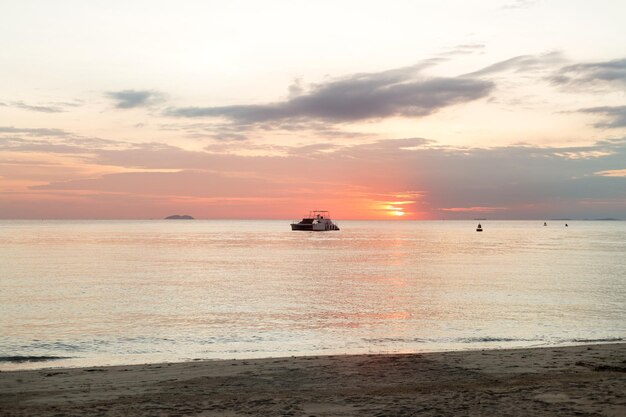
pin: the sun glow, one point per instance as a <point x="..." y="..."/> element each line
<point x="395" y="208"/>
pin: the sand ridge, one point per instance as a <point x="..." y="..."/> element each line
<point x="556" y="381"/>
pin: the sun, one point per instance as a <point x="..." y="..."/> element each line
<point x="393" y="210"/>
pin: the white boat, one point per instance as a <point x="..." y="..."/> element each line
<point x="316" y="221"/>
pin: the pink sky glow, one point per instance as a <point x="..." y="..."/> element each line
<point x="505" y="110"/>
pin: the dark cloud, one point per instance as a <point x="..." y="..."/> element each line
<point x="522" y="63"/>
<point x="33" y="131"/>
<point x="616" y="116"/>
<point x="218" y="132"/>
<point x="40" y="146"/>
<point x="296" y="88"/>
<point x="50" y="140"/>
<point x="592" y="73"/>
<point x="399" y="92"/>
<point x="51" y="108"/>
<point x="41" y="109"/>
<point x="128" y="99"/>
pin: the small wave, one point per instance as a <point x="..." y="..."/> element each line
<point x="22" y="359"/>
<point x="484" y="339"/>
<point x="48" y="346"/>
<point x="395" y="340"/>
<point x="488" y="339"/>
<point x="608" y="339"/>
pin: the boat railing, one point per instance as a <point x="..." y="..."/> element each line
<point x="315" y="213"/>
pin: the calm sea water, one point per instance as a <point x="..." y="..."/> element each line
<point x="77" y="293"/>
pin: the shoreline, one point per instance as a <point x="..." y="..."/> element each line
<point x="45" y="362"/>
<point x="585" y="379"/>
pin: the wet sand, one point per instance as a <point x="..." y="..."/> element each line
<point x="558" y="381"/>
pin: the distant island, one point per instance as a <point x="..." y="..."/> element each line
<point x="179" y="217"/>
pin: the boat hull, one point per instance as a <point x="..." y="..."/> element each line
<point x="302" y="227"/>
<point x="314" y="227"/>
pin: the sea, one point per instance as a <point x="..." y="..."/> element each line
<point x="93" y="293"/>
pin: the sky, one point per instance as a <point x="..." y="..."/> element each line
<point x="511" y="109"/>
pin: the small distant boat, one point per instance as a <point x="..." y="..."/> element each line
<point x="479" y="228"/>
<point x="545" y="224"/>
<point x="316" y="221"/>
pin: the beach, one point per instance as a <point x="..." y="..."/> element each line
<point x="587" y="380"/>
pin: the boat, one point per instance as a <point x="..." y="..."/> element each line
<point x="479" y="228"/>
<point x="316" y="221"/>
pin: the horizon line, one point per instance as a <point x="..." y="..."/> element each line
<point x="288" y="219"/>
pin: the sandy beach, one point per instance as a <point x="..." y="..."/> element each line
<point x="557" y="381"/>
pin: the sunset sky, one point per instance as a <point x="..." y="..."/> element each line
<point x="512" y="109"/>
